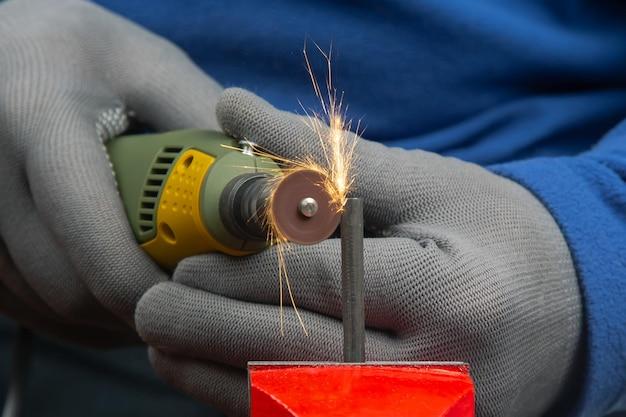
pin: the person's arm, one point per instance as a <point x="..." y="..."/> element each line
<point x="586" y="194"/>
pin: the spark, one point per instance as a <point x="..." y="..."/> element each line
<point x="337" y="143"/>
<point x="333" y="130"/>
<point x="275" y="236"/>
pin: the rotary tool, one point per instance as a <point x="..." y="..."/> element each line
<point x="190" y="192"/>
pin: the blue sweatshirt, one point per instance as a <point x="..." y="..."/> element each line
<point x="534" y="90"/>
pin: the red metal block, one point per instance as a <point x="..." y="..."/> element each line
<point x="319" y="389"/>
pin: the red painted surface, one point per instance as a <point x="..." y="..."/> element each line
<point x="293" y="389"/>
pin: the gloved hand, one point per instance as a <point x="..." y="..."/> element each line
<point x="72" y="73"/>
<point x="460" y="264"/>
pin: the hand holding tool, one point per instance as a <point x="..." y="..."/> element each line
<point x="460" y="264"/>
<point x="71" y="75"/>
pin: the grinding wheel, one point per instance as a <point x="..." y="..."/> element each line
<point x="289" y="218"/>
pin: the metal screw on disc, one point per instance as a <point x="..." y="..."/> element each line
<point x="295" y="217"/>
<point x="308" y="207"/>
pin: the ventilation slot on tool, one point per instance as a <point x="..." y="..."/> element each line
<point x="152" y="187"/>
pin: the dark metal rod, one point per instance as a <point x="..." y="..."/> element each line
<point x="352" y="286"/>
<point x="19" y="368"/>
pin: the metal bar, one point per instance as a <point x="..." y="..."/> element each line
<point x="352" y="286"/>
<point x="19" y="367"/>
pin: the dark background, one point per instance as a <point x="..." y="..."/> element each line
<point x="69" y="381"/>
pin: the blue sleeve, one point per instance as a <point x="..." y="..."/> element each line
<point x="586" y="194"/>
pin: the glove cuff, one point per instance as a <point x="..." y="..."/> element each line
<point x="576" y="192"/>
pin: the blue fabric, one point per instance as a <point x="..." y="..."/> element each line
<point x="587" y="196"/>
<point x="532" y="86"/>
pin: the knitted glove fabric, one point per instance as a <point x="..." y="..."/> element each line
<point x="460" y="264"/>
<point x="72" y="73"/>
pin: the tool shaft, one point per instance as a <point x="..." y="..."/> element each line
<point x="352" y="285"/>
<point x="242" y="206"/>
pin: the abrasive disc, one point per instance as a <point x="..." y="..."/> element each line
<point x="288" y="218"/>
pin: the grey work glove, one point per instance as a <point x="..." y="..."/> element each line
<point x="460" y="265"/>
<point x="71" y="73"/>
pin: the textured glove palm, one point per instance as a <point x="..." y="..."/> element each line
<point x="71" y="72"/>
<point x="460" y="264"/>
